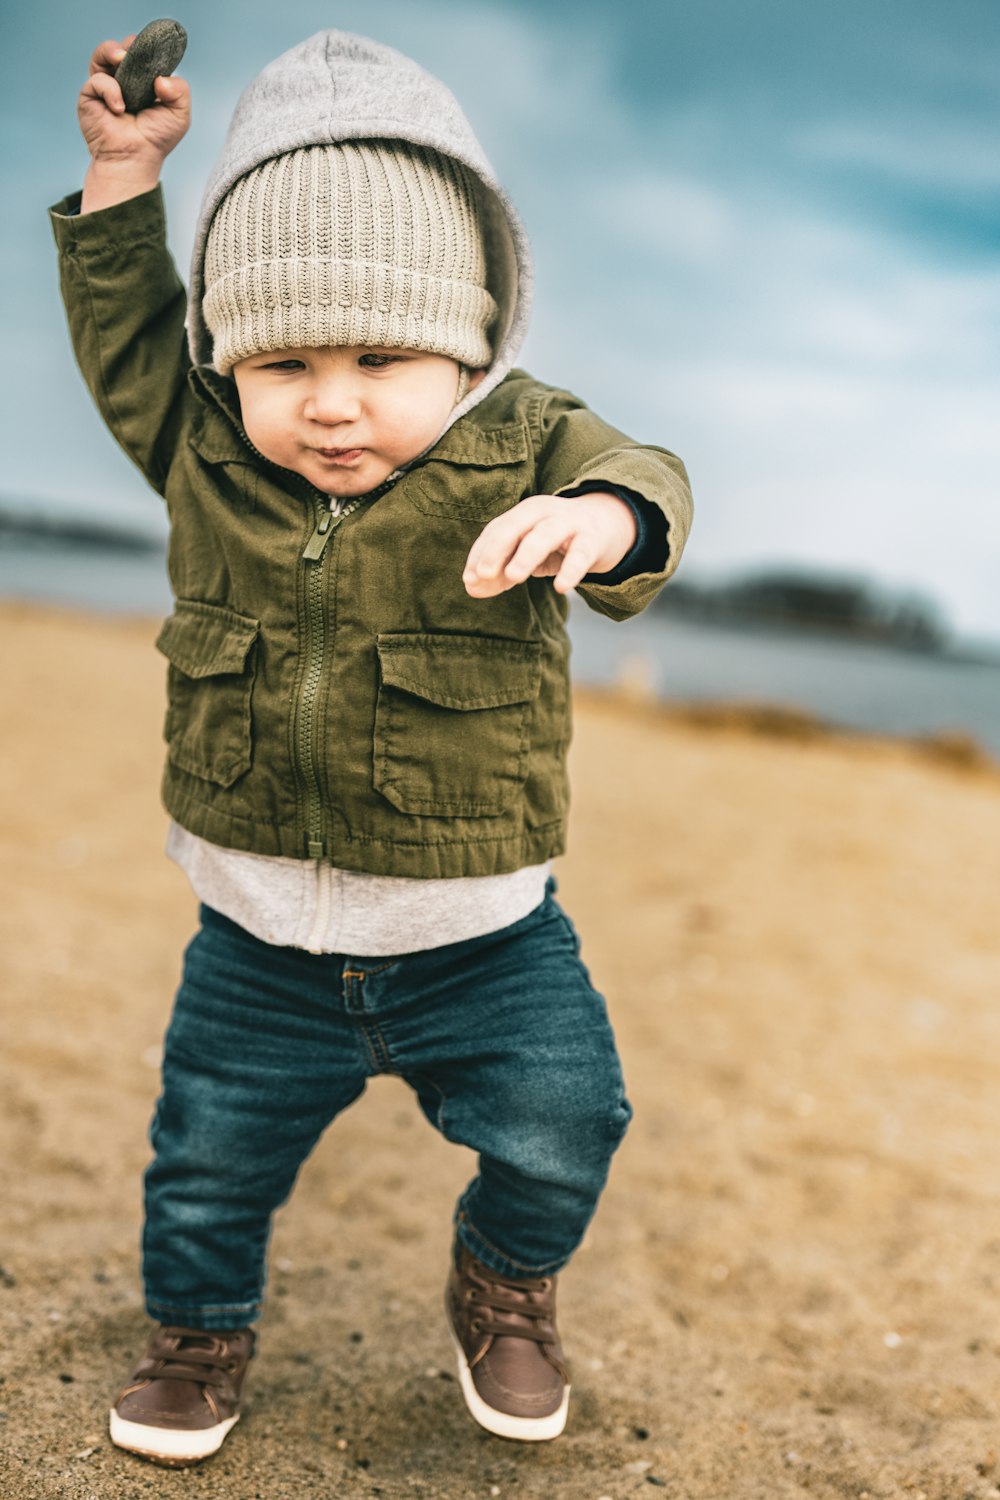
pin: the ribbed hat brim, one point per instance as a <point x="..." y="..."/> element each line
<point x="309" y="303"/>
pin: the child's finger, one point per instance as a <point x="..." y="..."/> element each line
<point x="546" y="537"/>
<point x="580" y="558"/>
<point x="102" y="86"/>
<point x="106" y="57"/>
<point x="488" y="554"/>
<point x="499" y="539"/>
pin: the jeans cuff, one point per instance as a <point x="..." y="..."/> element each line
<point x="483" y="1249"/>
<point x="210" y="1319"/>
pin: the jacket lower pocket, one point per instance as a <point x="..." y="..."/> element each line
<point x="452" y="722"/>
<point x="209" y="688"/>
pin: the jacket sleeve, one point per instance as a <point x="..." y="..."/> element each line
<point x="574" y="447"/>
<point x="126" y="307"/>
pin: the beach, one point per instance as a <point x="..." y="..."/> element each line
<point x="791" y="1286"/>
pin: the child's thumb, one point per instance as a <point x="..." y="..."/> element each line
<point x="170" y="90"/>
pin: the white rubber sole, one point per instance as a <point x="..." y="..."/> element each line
<point x="166" y="1445"/>
<point x="500" y="1423"/>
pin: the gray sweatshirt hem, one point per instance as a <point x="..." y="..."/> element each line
<point x="309" y="904"/>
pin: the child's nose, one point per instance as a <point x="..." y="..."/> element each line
<point x="333" y="399"/>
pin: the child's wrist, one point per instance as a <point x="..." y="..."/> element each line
<point x="112" y="180"/>
<point x="624" y="529"/>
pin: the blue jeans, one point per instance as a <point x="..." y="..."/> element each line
<point x="502" y="1038"/>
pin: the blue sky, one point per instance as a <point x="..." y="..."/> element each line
<point x="766" y="236"/>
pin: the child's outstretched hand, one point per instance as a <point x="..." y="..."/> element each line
<point x="126" y="150"/>
<point x="549" y="536"/>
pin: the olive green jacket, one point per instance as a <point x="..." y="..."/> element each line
<point x="333" y="690"/>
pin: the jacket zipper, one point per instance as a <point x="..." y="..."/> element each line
<point x="304" y="709"/>
<point x="314" y="555"/>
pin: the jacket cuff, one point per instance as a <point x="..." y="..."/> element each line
<point x="113" y="228"/>
<point x="649" y="552"/>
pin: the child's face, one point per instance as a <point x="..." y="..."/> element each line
<point x="345" y="419"/>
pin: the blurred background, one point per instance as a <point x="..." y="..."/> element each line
<point x="765" y="237"/>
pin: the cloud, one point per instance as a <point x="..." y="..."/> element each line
<point x="954" y="154"/>
<point x="833" y="388"/>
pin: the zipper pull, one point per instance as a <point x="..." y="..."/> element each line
<point x="324" y="530"/>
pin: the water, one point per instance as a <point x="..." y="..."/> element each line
<point x="845" y="682"/>
<point x="118" y="580"/>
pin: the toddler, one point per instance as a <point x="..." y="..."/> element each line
<point x="375" y="521"/>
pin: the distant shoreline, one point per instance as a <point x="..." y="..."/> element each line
<point x="100" y="535"/>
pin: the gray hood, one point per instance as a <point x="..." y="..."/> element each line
<point x="340" y="87"/>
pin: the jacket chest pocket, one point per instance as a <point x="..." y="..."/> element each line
<point x="452" y="722"/>
<point x="209" y="687"/>
<point x="474" y="476"/>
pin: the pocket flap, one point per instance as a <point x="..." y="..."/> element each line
<point x="217" y="443"/>
<point x="465" y="444"/>
<point x="461" y="671"/>
<point x="206" y="640"/>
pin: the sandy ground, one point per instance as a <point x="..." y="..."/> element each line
<point x="791" y="1287"/>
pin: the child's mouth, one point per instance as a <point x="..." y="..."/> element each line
<point x="340" y="455"/>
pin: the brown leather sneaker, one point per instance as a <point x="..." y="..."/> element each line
<point x="513" y="1374"/>
<point x="184" y="1395"/>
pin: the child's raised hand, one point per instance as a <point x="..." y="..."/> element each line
<point x="123" y="147"/>
<point x="549" y="536"/>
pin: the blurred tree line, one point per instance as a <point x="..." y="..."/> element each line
<point x="831" y="603"/>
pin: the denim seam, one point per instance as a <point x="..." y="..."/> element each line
<point x="366" y="1037"/>
<point x="425" y="1078"/>
<point x="378" y="1048"/>
<point x="382" y="1045"/>
<point x="571" y="933"/>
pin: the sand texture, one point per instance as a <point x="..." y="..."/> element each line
<point x="791" y="1286"/>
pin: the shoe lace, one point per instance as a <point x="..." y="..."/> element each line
<point x="191" y="1354"/>
<point x="521" y="1309"/>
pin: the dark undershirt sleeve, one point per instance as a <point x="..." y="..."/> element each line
<point x="651" y="548"/>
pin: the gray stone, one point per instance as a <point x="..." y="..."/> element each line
<point x="155" y="53"/>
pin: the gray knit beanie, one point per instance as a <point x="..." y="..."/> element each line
<point x="372" y="243"/>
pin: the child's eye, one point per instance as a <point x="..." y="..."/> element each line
<point x="285" y="364"/>
<point x="377" y="361"/>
